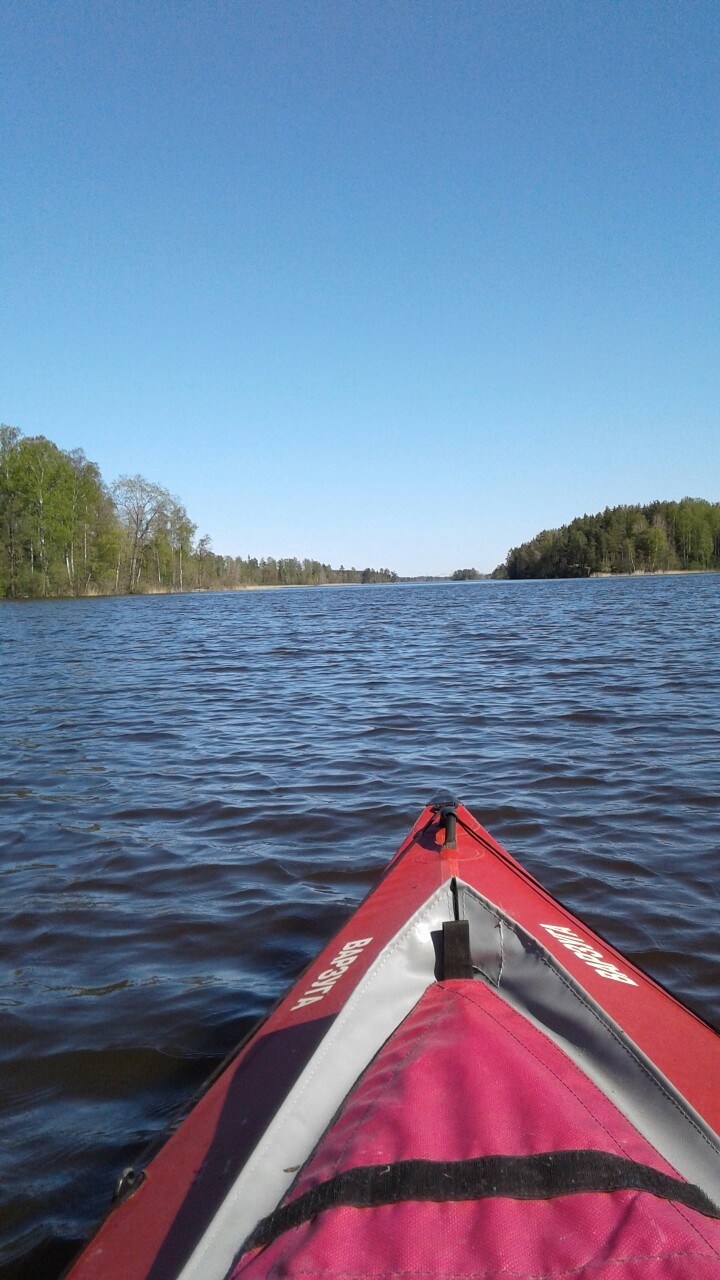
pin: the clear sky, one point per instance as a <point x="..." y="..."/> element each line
<point x="394" y="283"/>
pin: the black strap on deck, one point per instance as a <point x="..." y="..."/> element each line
<point x="534" y="1177"/>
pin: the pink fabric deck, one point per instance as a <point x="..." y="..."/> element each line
<point x="465" y="1075"/>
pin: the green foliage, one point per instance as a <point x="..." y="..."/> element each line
<point x="57" y="520"/>
<point x="466" y="575"/>
<point x="652" y="539"/>
<point x="63" y="532"/>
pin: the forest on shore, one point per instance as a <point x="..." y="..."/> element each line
<point x="657" y="538"/>
<point x="65" y="532"/>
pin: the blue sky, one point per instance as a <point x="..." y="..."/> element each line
<point x="392" y="283"/>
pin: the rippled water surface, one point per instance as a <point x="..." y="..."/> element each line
<point x="196" y="790"/>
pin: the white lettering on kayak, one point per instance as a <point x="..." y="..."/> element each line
<point x="326" y="980"/>
<point x="583" y="950"/>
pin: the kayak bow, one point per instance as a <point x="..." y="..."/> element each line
<point x="467" y="1081"/>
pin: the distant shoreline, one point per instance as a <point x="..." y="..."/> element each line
<point x="401" y="582"/>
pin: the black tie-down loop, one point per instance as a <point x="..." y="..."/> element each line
<point x="457" y="961"/>
<point x="445" y="805"/>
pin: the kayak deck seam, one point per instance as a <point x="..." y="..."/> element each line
<point x="558" y="1004"/>
<point x="683" y="1214"/>
<point x="207" y="1258"/>
<point x="478" y="968"/>
<point x="526" y="1049"/>
<point x="554" y="966"/>
<point x="627" y="1049"/>
<point x="369" y="1106"/>
<point x="363" y="985"/>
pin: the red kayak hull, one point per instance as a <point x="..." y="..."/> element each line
<point x="153" y="1232"/>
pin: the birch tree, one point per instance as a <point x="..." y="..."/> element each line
<point x="143" y="509"/>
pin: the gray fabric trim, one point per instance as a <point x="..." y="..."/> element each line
<point x="530" y="979"/>
<point x="392" y="986"/>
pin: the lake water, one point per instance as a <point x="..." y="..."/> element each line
<point x="197" y="790"/>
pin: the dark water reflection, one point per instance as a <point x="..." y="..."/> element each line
<point x="197" y="790"/>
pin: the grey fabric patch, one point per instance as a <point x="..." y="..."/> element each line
<point x="487" y="945"/>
